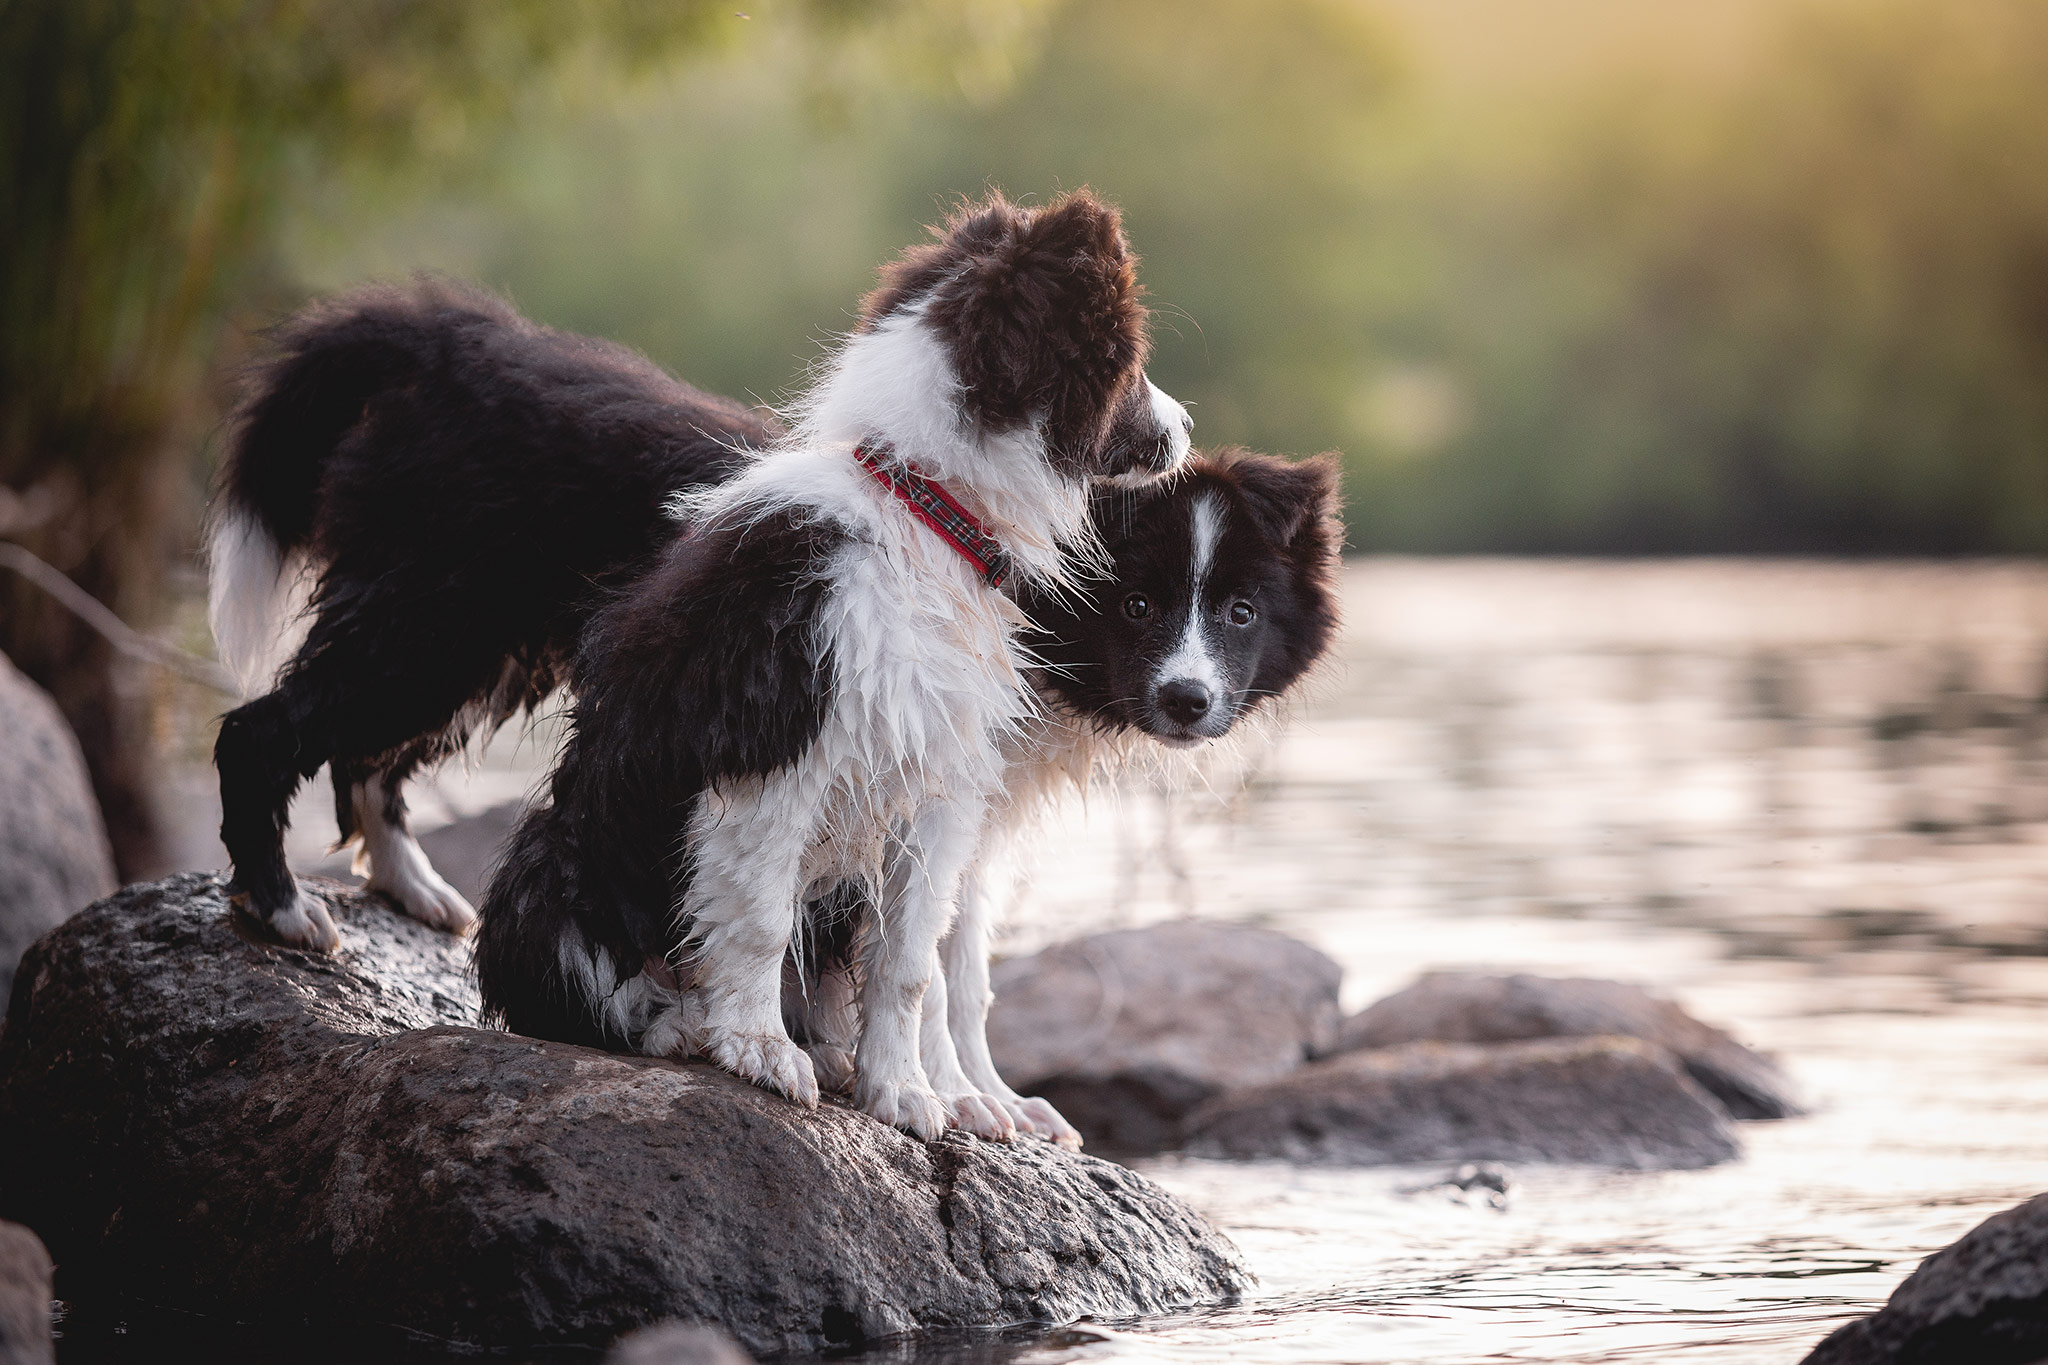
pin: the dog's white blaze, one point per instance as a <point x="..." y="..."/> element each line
<point x="1193" y="657"/>
<point x="1175" y="419"/>
<point x="255" y="601"/>
<point x="392" y="861"/>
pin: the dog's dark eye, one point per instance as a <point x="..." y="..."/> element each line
<point x="1241" y="614"/>
<point x="1137" y="606"/>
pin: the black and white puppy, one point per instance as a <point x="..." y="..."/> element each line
<point x="425" y="497"/>
<point x="1221" y="597"/>
<point x="813" y="686"/>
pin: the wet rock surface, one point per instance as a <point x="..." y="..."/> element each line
<point x="1983" y="1300"/>
<point x="54" y="857"/>
<point x="1613" y="1102"/>
<point x="25" y="1295"/>
<point x="1465" y="1007"/>
<point x="221" y="1125"/>
<point x="1129" y="1031"/>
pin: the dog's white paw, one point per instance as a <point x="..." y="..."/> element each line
<point x="427" y="897"/>
<point x="1040" y="1119"/>
<point x="770" y="1061"/>
<point x="305" y="923"/>
<point x="833" y="1067"/>
<point x="671" y="1034"/>
<point x="912" y="1107"/>
<point x="981" y="1115"/>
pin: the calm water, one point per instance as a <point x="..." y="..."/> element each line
<point x="1810" y="801"/>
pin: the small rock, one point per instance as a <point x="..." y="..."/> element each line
<point x="1126" y="1032"/>
<point x="1614" y="1102"/>
<point x="677" y="1343"/>
<point x="221" y="1125"/>
<point x="1469" y="1007"/>
<point x="54" y="856"/>
<point x="25" y="1295"/>
<point x="1983" y="1300"/>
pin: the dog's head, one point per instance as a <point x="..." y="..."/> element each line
<point x="1036" y="319"/>
<point x="1223" y="594"/>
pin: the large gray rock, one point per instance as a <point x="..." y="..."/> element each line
<point x="1614" y="1102"/>
<point x="1467" y="1007"/>
<point x="25" y="1295"/>
<point x="1128" y="1031"/>
<point x="54" y="856"/>
<point x="1983" y="1300"/>
<point x="225" y="1126"/>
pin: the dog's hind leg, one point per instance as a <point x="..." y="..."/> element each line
<point x="263" y="754"/>
<point x="390" y="859"/>
<point x="964" y="957"/>
<point x="359" y="686"/>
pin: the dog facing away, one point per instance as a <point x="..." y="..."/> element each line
<point x="814" y="683"/>
<point x="1221" y="597"/>
<point x="453" y="487"/>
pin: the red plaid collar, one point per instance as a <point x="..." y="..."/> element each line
<point x="938" y="509"/>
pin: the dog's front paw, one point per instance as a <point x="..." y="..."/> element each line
<point x="1040" y="1119"/>
<point x="303" y="922"/>
<point x="769" y="1061"/>
<point x="911" y="1107"/>
<point x="981" y="1115"/>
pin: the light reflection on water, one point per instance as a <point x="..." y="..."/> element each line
<point x="1809" y="800"/>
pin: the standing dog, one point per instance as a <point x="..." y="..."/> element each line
<point x="1221" y="596"/>
<point x="815" y="683"/>
<point x="444" y="492"/>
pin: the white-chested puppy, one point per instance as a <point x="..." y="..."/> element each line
<point x="816" y="682"/>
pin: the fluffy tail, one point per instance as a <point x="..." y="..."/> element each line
<point x="333" y="359"/>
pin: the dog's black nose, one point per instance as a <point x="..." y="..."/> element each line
<point x="1183" y="701"/>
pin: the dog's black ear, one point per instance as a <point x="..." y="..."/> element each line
<point x="1043" y="318"/>
<point x="1292" y="502"/>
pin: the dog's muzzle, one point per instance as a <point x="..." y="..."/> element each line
<point x="1150" y="437"/>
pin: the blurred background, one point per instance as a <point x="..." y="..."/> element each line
<point x="1585" y="277"/>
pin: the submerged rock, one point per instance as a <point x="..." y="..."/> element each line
<point x="1983" y="1299"/>
<point x="1126" y="1032"/>
<point x="1469" y="1007"/>
<point x="25" y="1295"/>
<point x="222" y="1125"/>
<point x="1615" y="1102"/>
<point x="54" y="857"/>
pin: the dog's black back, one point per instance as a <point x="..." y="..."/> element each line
<point x="466" y="486"/>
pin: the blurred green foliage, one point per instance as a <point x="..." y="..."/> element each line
<point x="1800" y="305"/>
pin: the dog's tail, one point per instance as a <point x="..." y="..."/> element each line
<point x="333" y="359"/>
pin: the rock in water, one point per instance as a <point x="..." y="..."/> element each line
<point x="1614" y="1102"/>
<point x="1469" y="1007"/>
<point x="222" y="1125"/>
<point x="1126" y="1032"/>
<point x="54" y="858"/>
<point x="25" y="1294"/>
<point x="1983" y="1300"/>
